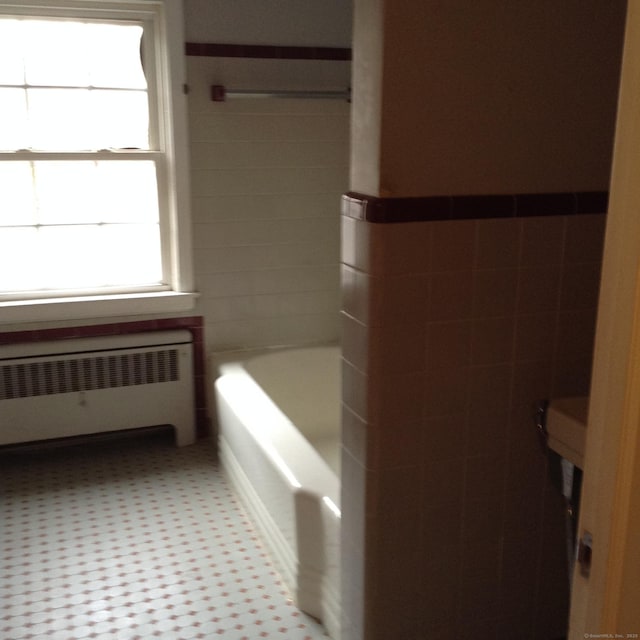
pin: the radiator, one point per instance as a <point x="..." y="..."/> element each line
<point x="93" y="385"/>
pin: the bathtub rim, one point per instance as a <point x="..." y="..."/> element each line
<point x="230" y="370"/>
<point x="279" y="438"/>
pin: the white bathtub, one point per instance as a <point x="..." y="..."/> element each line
<point x="279" y="438"/>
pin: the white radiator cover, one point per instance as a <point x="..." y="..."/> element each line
<point x="91" y="385"/>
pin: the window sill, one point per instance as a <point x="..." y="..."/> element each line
<point x="47" y="310"/>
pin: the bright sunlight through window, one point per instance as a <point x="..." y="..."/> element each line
<point x="80" y="211"/>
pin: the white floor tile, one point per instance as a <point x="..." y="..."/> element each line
<point x="134" y="541"/>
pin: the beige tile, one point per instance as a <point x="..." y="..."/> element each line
<point x="513" y="625"/>
<point x="446" y="391"/>
<point x="450" y="296"/>
<point x="484" y="478"/>
<point x="542" y="241"/>
<point x="479" y="607"/>
<point x="531" y="382"/>
<point x="554" y="507"/>
<point x="526" y="463"/>
<point x="487" y="432"/>
<point x="394" y="553"/>
<point x="576" y="334"/>
<point x="481" y="558"/>
<point x="552" y="602"/>
<point x="585" y="238"/>
<point x="535" y="337"/>
<point x="442" y="527"/>
<point x="523" y="512"/>
<point x="538" y="289"/>
<point x="402" y="247"/>
<point x="439" y="632"/>
<point x="355" y="286"/>
<point x="452" y="245"/>
<point x="440" y="584"/>
<point x="498" y="243"/>
<point x="383" y="620"/>
<point x="355" y="342"/>
<point x="399" y="299"/>
<point x="492" y="340"/>
<point x="440" y="484"/>
<point x="442" y="597"/>
<point x="398" y="348"/>
<point x="397" y="498"/>
<point x="551" y="612"/>
<point x="473" y="626"/>
<point x="395" y="398"/>
<point x="490" y="387"/>
<point x="443" y="437"/>
<point x="519" y="579"/>
<point x="494" y="292"/>
<point x="355" y="243"/>
<point x="580" y="286"/>
<point x="448" y="344"/>
<point x="395" y="445"/>
<point x="442" y="564"/>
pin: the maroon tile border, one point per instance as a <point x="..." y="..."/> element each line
<point x="214" y="50"/>
<point x="194" y="324"/>
<point x="432" y="208"/>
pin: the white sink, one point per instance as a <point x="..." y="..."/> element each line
<point x="567" y="427"/>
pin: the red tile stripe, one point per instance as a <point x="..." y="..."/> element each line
<point x="215" y="50"/>
<point x="472" y="207"/>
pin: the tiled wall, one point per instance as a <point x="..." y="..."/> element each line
<point x="267" y="177"/>
<point x="452" y="330"/>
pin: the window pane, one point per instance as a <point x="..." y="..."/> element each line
<point x="75" y="257"/>
<point x="114" y="56"/>
<point x="81" y="119"/>
<point x="128" y="192"/>
<point x="134" y="252"/>
<point x="80" y="257"/>
<point x="55" y="53"/>
<point x="11" y="50"/>
<point x="60" y="119"/>
<point x="14" y="132"/>
<point x="120" y="119"/>
<point x="69" y="224"/>
<point x="66" y="192"/>
<point x="20" y="262"/>
<point x="17" y="205"/>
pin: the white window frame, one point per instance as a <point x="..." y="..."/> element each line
<point x="170" y="109"/>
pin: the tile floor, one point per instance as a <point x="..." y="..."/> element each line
<point x="134" y="540"/>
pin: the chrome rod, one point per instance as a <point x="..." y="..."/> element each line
<point x="219" y="94"/>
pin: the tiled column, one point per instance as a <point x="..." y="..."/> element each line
<point x="452" y="330"/>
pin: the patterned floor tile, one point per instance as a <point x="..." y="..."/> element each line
<point x="134" y="540"/>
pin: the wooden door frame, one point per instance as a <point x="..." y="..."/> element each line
<point x="605" y="602"/>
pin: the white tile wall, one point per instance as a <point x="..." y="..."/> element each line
<point x="267" y="176"/>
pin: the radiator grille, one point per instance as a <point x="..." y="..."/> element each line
<point x="86" y="373"/>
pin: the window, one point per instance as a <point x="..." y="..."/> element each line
<point x="92" y="202"/>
